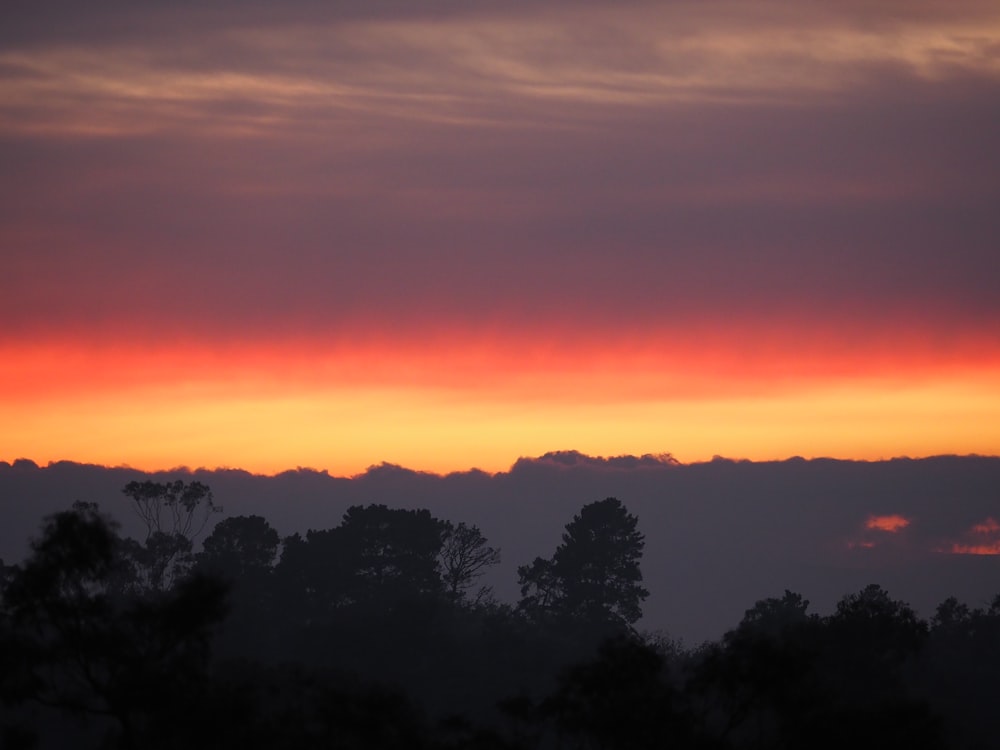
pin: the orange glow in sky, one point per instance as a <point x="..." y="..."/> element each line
<point x="444" y="408"/>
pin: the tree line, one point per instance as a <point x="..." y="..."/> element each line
<point x="379" y="633"/>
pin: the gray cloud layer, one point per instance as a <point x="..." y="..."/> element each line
<point x="719" y="535"/>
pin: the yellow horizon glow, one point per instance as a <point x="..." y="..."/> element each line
<point x="279" y="416"/>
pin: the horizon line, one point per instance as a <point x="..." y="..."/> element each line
<point x="567" y="459"/>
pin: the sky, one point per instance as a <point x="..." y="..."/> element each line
<point x="449" y="234"/>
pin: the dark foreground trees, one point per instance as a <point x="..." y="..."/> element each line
<point x="377" y="559"/>
<point x="624" y="698"/>
<point x="78" y="638"/>
<point x="370" y="634"/>
<point x="785" y="678"/>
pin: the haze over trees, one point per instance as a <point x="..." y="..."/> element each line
<point x="715" y="533"/>
<point x="368" y="634"/>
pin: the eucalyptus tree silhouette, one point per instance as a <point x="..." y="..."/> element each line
<point x="172" y="507"/>
<point x="174" y="513"/>
<point x="594" y="574"/>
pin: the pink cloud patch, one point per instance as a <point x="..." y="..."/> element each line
<point x="983" y="538"/>
<point x="891" y="524"/>
<point x="992" y="548"/>
<point x="989" y="526"/>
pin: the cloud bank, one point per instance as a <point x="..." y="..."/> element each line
<point x="719" y="535"/>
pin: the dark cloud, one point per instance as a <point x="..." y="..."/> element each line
<point x="274" y="175"/>
<point x="879" y="214"/>
<point x="575" y="460"/>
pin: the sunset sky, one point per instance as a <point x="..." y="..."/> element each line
<point x="448" y="234"/>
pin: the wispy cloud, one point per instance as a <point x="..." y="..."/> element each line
<point x="305" y="71"/>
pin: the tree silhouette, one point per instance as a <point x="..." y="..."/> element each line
<point x="869" y="657"/>
<point x="775" y="616"/>
<point x="621" y="699"/>
<point x="390" y="553"/>
<point x="241" y="551"/>
<point x="330" y="646"/>
<point x="157" y="564"/>
<point x="377" y="557"/>
<point x="959" y="666"/>
<point x="172" y="507"/>
<point x="594" y="574"/>
<point x="877" y="636"/>
<point x="84" y="646"/>
<point x="758" y="687"/>
<point x="465" y="555"/>
<point x="174" y="513"/>
<point x="240" y="547"/>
